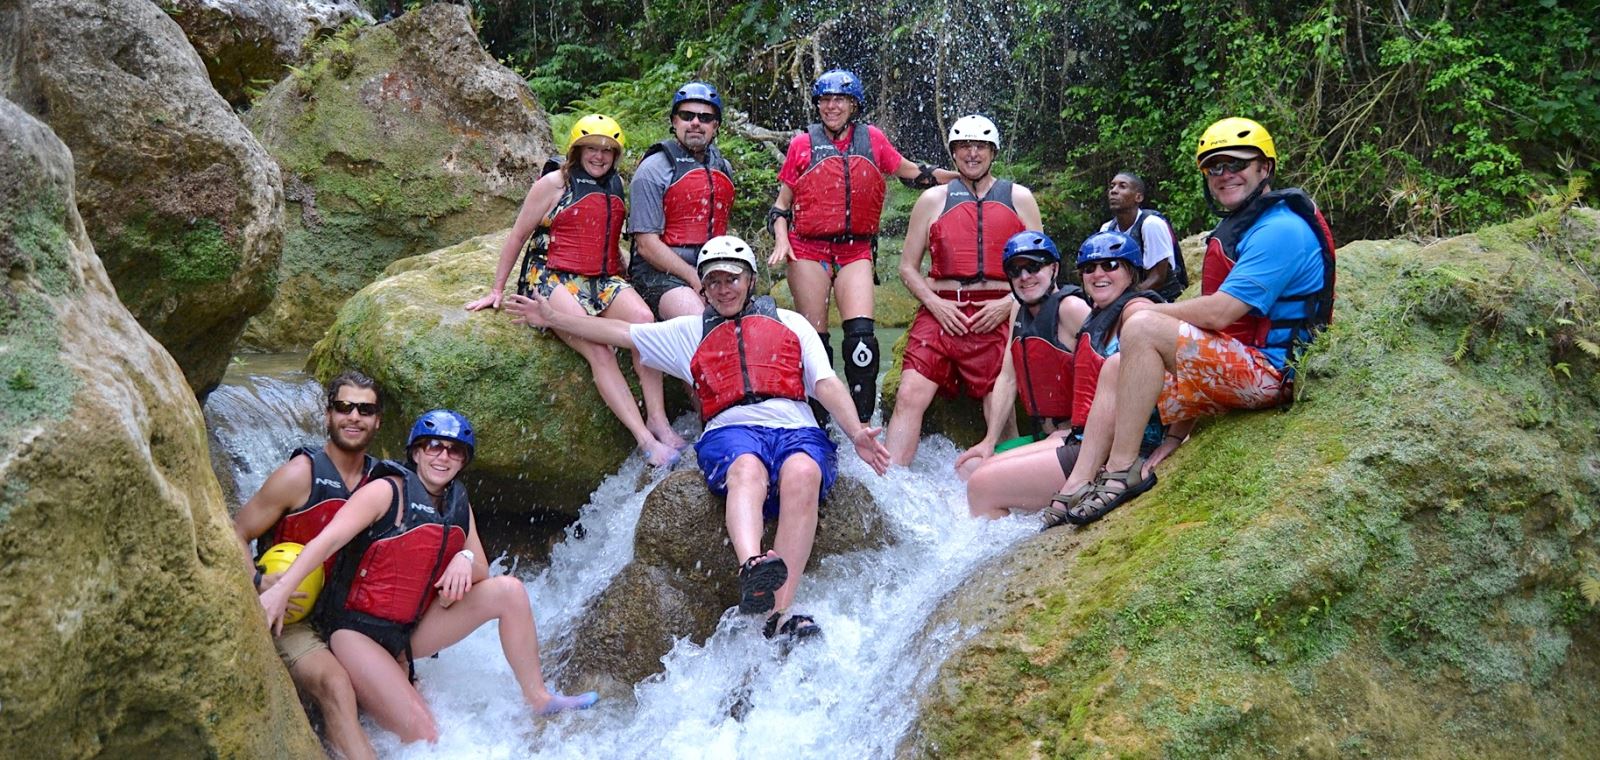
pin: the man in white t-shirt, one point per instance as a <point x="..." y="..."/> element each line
<point x="753" y="366"/>
<point x="1164" y="271"/>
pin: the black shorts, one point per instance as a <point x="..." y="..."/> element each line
<point x="652" y="284"/>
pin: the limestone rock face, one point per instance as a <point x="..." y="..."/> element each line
<point x="1394" y="565"/>
<point x="683" y="577"/>
<point x="395" y="141"/>
<point x="128" y="624"/>
<point x="183" y="205"/>
<point x="248" y="45"/>
<point x="542" y="428"/>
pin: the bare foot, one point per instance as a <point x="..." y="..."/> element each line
<point x="664" y="433"/>
<point x="660" y="454"/>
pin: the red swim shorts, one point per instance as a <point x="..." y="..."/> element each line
<point x="972" y="361"/>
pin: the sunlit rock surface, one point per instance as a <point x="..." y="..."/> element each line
<point x="128" y="623"/>
<point x="248" y="45"/>
<point x="183" y="205"/>
<point x="1394" y="565"/>
<point x="395" y="140"/>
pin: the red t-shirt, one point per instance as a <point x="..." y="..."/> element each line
<point x="798" y="160"/>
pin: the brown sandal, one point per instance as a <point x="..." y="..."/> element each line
<point x="1061" y="504"/>
<point x="1101" y="500"/>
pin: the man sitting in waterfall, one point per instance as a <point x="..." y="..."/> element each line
<point x="958" y="337"/>
<point x="293" y="505"/>
<point x="1267" y="289"/>
<point x="753" y="367"/>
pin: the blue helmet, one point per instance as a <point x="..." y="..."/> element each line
<point x="839" y="82"/>
<point x="1032" y="244"/>
<point x="447" y="424"/>
<point x="1111" y="245"/>
<point x="698" y="92"/>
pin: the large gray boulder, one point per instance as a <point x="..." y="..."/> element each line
<point x="128" y="624"/>
<point x="396" y="141"/>
<point x="682" y="577"/>
<point x="183" y="205"/>
<point x="248" y="45"/>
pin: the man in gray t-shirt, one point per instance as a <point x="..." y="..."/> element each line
<point x="682" y="195"/>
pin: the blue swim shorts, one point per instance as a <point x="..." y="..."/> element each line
<point x="718" y="448"/>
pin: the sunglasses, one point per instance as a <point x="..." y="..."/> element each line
<point x="435" y="446"/>
<point x="1234" y="166"/>
<point x="707" y="117"/>
<point x="345" y="407"/>
<point x="1024" y="266"/>
<point x="1109" y="265"/>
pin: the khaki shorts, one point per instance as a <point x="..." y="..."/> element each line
<point x="297" y="641"/>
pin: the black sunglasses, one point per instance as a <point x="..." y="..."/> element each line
<point x="707" y="117"/>
<point x="1109" y="265"/>
<point x="1219" y="168"/>
<point x="345" y="407"/>
<point x="1019" y="267"/>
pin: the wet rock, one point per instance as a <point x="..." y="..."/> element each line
<point x="183" y="205"/>
<point x="395" y="140"/>
<point x="683" y="576"/>
<point x="543" y="431"/>
<point x="128" y="624"/>
<point x="1406" y="542"/>
<point x="248" y="45"/>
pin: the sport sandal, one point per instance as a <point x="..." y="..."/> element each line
<point x="1101" y="500"/>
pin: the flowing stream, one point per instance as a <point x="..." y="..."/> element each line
<point x="853" y="693"/>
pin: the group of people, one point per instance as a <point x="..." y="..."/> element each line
<point x="1112" y="374"/>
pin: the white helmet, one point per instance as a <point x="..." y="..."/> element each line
<point x="975" y="128"/>
<point x="720" y="253"/>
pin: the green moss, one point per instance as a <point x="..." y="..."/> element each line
<point x="37" y="386"/>
<point x="41" y="241"/>
<point x="191" y="252"/>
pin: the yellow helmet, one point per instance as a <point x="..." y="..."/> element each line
<point x="1236" y="133"/>
<point x="598" y="129"/>
<point x="278" y="559"/>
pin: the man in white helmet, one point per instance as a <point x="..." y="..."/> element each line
<point x="753" y="366"/>
<point x="958" y="339"/>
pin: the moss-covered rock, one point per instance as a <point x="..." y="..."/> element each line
<point x="248" y="45"/>
<point x="183" y="205"/>
<point x="128" y="625"/>
<point x="395" y="140"/>
<point x="1391" y="566"/>
<point x="545" y="437"/>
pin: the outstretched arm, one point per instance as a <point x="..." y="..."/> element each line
<point x="836" y="399"/>
<point x="535" y="309"/>
<point x="541" y="198"/>
<point x="366" y="506"/>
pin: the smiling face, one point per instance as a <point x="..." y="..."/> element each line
<point x="836" y="111"/>
<point x="596" y="160"/>
<point x="352" y="431"/>
<point x="694" y="133"/>
<point x="1231" y="188"/>
<point x="438" y="462"/>
<point x="973" y="158"/>
<point x="1105" y="287"/>
<point x="725" y="291"/>
<point x="1032" y="286"/>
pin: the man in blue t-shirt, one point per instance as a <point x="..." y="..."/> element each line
<point x="1267" y="288"/>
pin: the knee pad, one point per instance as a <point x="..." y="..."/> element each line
<point x="861" y="365"/>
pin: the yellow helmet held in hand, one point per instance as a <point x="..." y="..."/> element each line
<point x="1235" y="136"/>
<point x="598" y="129"/>
<point x="278" y="559"/>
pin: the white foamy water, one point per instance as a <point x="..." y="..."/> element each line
<point x="259" y="414"/>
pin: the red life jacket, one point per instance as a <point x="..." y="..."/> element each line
<point x="1043" y="364"/>
<point x="1094" y="346"/>
<point x="328" y="495"/>
<point x="699" y="198"/>
<point x="821" y="210"/>
<point x="386" y="573"/>
<point x="1179" y="278"/>
<point x="1222" y="253"/>
<point x="586" y="225"/>
<point x="746" y="359"/>
<point x="968" y="239"/>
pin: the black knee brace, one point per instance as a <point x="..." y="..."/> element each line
<point x="816" y="406"/>
<point x="861" y="365"/>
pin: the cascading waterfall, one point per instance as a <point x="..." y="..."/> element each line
<point x="263" y="409"/>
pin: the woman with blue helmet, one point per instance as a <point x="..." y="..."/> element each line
<point x="412" y="579"/>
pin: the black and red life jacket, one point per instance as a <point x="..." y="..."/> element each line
<point x="328" y="495"/>
<point x="1179" y="278"/>
<point x="386" y="573"/>
<point x="968" y="240"/>
<point x="1222" y="253"/>
<point x="746" y="359"/>
<point x="586" y="225"/>
<point x="840" y="196"/>
<point x="1043" y="363"/>
<point x="1094" y="346"/>
<point x="699" y="199"/>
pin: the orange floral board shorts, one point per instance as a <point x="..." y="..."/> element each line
<point x="1216" y="373"/>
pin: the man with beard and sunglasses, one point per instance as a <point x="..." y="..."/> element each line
<point x="297" y="500"/>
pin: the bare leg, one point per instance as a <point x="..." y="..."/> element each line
<point x="799" y="484"/>
<point x="612" y="386"/>
<point x="1098" y="428"/>
<point x="1023" y="482"/>
<point x="747" y="491"/>
<point x="905" y="427"/>
<point x="382" y="688"/>
<point x="629" y="307"/>
<point x="810" y="283"/>
<point x="852" y="288"/>
<point x="1149" y="351"/>
<point x="320" y="675"/>
<point x="681" y="302"/>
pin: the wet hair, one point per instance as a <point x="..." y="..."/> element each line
<point x="356" y="378"/>
<point x="1135" y="180"/>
